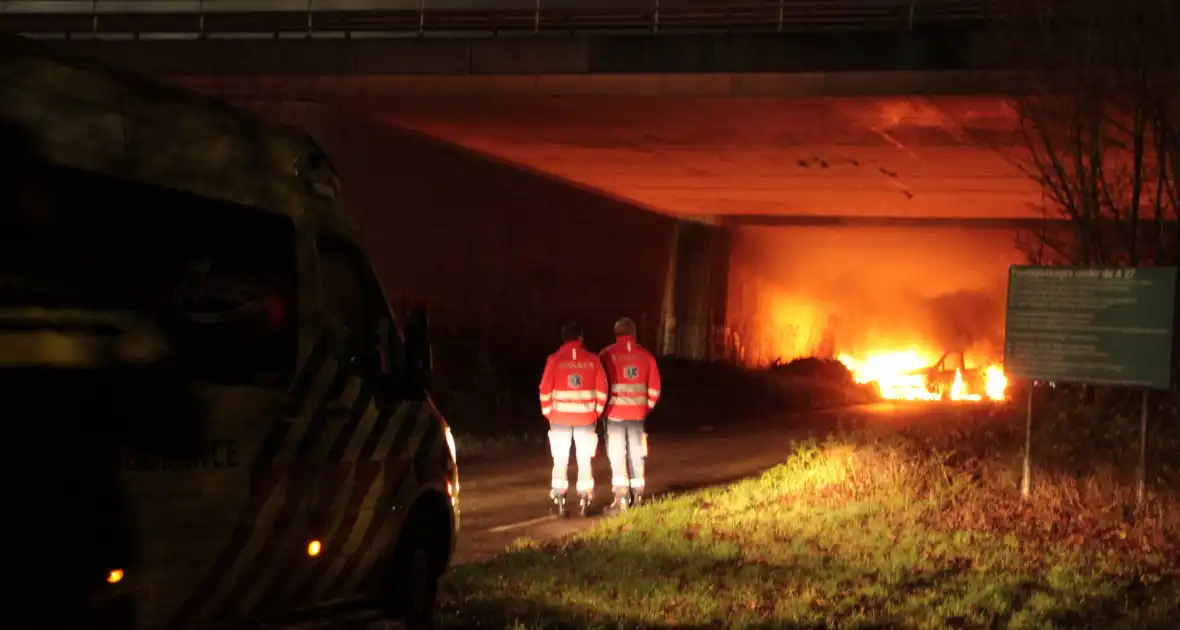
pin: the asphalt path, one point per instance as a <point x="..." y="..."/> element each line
<point x="505" y="495"/>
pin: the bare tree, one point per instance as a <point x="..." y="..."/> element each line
<point x="1099" y="124"/>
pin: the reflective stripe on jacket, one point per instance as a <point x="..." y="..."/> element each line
<point x="573" y="388"/>
<point x="634" y="379"/>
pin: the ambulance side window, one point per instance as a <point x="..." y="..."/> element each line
<point x="220" y="279"/>
<point x="358" y="315"/>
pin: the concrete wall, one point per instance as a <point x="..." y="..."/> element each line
<point x="515" y="250"/>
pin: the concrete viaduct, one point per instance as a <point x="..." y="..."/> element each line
<point x="532" y="158"/>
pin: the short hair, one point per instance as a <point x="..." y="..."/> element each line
<point x="571" y="331"/>
<point x="624" y="326"/>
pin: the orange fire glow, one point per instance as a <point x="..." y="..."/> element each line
<point x="909" y="375"/>
<point x="918" y="314"/>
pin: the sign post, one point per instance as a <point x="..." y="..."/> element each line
<point x="1026" y="470"/>
<point x="1098" y="326"/>
<point x="1141" y="473"/>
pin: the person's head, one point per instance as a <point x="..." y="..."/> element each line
<point x="571" y="331"/>
<point x="625" y="327"/>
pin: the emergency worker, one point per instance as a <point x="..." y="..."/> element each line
<point x="634" y="392"/>
<point x="573" y="395"/>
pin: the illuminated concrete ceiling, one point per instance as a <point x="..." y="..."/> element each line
<point x="902" y="156"/>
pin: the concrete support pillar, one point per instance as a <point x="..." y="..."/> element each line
<point x="719" y="341"/>
<point x="667" y="325"/>
<point x="694" y="326"/>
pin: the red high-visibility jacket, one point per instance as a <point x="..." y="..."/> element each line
<point x="634" y="379"/>
<point x="573" y="387"/>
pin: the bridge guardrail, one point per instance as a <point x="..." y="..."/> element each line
<point x="399" y="18"/>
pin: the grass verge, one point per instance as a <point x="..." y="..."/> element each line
<point x="919" y="529"/>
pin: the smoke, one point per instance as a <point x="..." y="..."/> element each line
<point x="967" y="320"/>
<point x="801" y="291"/>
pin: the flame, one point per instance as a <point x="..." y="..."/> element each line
<point x="995" y="383"/>
<point x="894" y="351"/>
<point x="904" y="375"/>
<point x="897" y="374"/>
<point x="959" y="388"/>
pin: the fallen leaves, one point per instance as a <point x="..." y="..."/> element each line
<point x="760" y="561"/>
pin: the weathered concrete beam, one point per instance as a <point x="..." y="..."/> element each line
<point x="979" y="223"/>
<point x="716" y="53"/>
<point x="327" y="88"/>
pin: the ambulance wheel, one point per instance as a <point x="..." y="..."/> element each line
<point x="411" y="592"/>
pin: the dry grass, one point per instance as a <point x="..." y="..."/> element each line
<point x="922" y="528"/>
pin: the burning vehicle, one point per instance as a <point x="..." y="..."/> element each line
<point x="911" y="374"/>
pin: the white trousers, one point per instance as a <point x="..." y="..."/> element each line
<point x="585" y="443"/>
<point x="626" y="446"/>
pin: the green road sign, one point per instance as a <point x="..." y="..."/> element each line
<point x="1091" y="325"/>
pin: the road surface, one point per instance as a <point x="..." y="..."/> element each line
<point x="505" y="496"/>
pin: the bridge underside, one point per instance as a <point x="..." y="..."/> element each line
<point x="920" y="161"/>
<point x="926" y="188"/>
<point x="917" y="160"/>
<point x="927" y="192"/>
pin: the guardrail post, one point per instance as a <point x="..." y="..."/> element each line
<point x="310" y="22"/>
<point x="911" y="16"/>
<point x="93" y="19"/>
<point x="655" y="25"/>
<point x="201" y="19"/>
<point x="422" y="18"/>
<point x="780" y="16"/>
<point x="537" y="17"/>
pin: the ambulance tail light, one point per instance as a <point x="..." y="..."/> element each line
<point x="114" y="576"/>
<point x="277" y="309"/>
